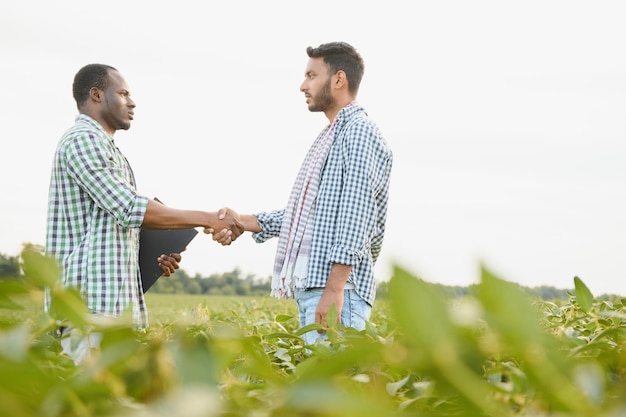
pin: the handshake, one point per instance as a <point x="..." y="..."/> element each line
<point x="230" y="225"/>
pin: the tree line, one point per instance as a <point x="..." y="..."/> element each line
<point x="237" y="283"/>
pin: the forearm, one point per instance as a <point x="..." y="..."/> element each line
<point x="333" y="293"/>
<point x="338" y="277"/>
<point x="159" y="216"/>
<point x="250" y="223"/>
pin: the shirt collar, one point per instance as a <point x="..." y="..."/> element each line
<point x="85" y="119"/>
<point x="347" y="112"/>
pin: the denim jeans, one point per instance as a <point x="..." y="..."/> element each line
<point x="355" y="311"/>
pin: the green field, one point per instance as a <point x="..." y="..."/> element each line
<point x="167" y="308"/>
<point x="498" y="353"/>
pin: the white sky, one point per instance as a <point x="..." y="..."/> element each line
<point x="507" y="121"/>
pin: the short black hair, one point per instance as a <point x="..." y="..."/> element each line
<point x="91" y="75"/>
<point x="341" y="56"/>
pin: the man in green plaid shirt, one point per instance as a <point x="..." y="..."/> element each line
<point x="95" y="213"/>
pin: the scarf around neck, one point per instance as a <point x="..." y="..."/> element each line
<point x="294" y="240"/>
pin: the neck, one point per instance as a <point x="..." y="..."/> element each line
<point x="107" y="128"/>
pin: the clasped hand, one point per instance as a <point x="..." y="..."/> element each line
<point x="229" y="226"/>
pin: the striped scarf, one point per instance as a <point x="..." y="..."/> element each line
<point x="294" y="240"/>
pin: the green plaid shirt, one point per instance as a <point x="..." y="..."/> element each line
<point x="94" y="220"/>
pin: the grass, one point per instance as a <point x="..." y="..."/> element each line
<point x="169" y="308"/>
<point x="164" y="308"/>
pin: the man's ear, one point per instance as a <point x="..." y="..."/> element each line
<point x="340" y="79"/>
<point x="95" y="94"/>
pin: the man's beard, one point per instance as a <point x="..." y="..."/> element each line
<point x="323" y="100"/>
<point x="115" y="122"/>
<point x="121" y="124"/>
<point x="124" y="126"/>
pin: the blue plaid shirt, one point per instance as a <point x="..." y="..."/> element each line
<point x="94" y="220"/>
<point x="351" y="206"/>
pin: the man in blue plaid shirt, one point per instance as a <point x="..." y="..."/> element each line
<point x="95" y="213"/>
<point x="331" y="231"/>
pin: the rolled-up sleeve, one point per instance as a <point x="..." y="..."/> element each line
<point x="341" y="255"/>
<point x="270" y="223"/>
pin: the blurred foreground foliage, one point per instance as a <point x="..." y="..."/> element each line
<point x="498" y="352"/>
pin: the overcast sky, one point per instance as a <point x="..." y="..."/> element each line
<point x="507" y="121"/>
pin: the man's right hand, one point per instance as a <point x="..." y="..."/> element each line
<point x="229" y="226"/>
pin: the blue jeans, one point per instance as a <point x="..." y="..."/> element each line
<point x="355" y="311"/>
